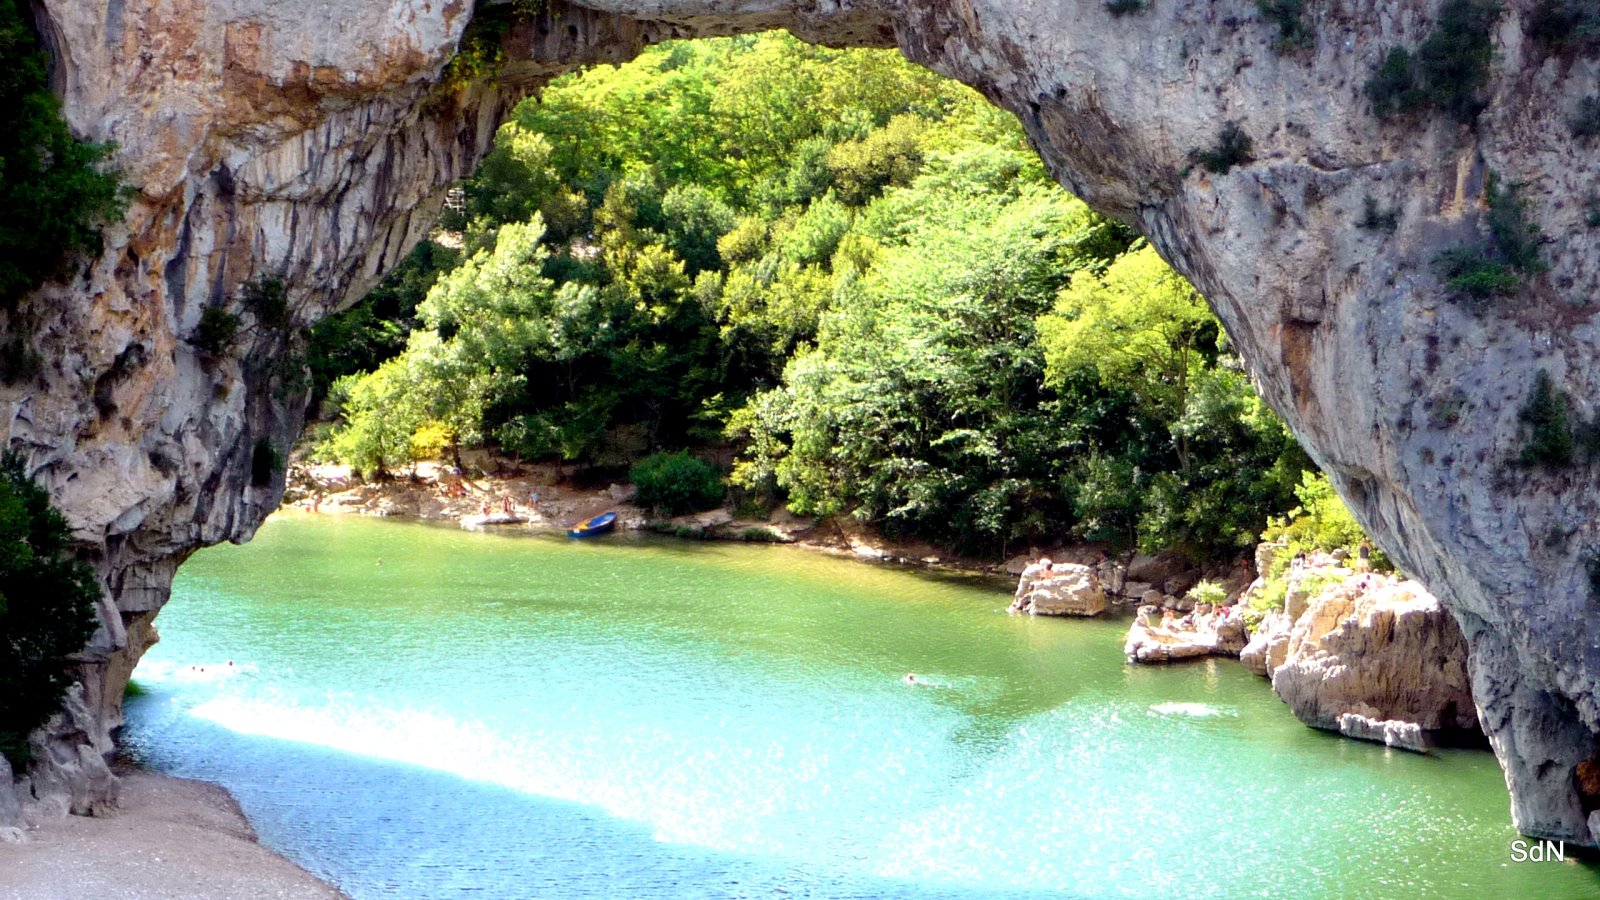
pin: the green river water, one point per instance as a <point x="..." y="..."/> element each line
<point x="415" y="711"/>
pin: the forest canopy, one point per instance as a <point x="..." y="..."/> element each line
<point x="853" y="273"/>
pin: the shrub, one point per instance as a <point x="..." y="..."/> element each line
<point x="216" y="331"/>
<point x="47" y="603"/>
<point x="1208" y="592"/>
<point x="1232" y="148"/>
<point x="1549" y="432"/>
<point x="268" y="300"/>
<point x="1374" y="219"/>
<point x="1294" y="32"/>
<point x="1591" y="215"/>
<point x="1120" y="8"/>
<point x="676" y="483"/>
<point x="19" y="361"/>
<point x="760" y="536"/>
<point x="53" y="191"/>
<point x="1474" y="273"/>
<point x="1513" y="250"/>
<point x="1320" y="522"/>
<point x="1558" y="26"/>
<point x="1449" y="70"/>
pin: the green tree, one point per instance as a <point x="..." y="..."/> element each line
<point x="54" y="189"/>
<point x="47" y="600"/>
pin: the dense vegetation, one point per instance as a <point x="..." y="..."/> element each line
<point x="46" y="608"/>
<point x="855" y="272"/>
<point x="54" y="192"/>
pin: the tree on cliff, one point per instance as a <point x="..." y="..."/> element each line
<point x="46" y="608"/>
<point x="53" y="192"/>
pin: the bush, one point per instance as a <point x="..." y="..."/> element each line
<point x="216" y="331"/>
<point x="47" y="603"/>
<point x="1558" y="26"/>
<point x="1449" y="70"/>
<point x="1294" y="32"/>
<point x="1513" y="251"/>
<point x="1208" y="592"/>
<point x="1120" y="8"/>
<point x="1320" y="522"/>
<point x="1232" y="148"/>
<point x="268" y="300"/>
<point x="1474" y="273"/>
<point x="1374" y="219"/>
<point x="676" y="483"/>
<point x="53" y="192"/>
<point x="1549" y="431"/>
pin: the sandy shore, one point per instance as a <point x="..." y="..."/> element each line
<point x="173" y="839"/>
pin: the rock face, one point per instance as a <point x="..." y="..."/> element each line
<point x="1386" y="664"/>
<point x="268" y="143"/>
<point x="1060" y="589"/>
<point x="1149" y="642"/>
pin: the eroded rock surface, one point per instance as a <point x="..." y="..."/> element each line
<point x="1059" y="589"/>
<point x="268" y="142"/>
<point x="1383" y="662"/>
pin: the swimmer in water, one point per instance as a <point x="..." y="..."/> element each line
<point x="911" y="679"/>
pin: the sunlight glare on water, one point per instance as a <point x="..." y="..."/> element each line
<point x="487" y="716"/>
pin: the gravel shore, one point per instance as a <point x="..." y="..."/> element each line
<point x="172" y="839"/>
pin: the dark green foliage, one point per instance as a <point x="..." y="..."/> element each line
<point x="1591" y="566"/>
<point x="216" y="330"/>
<point x="46" y="608"/>
<point x="53" y="192"/>
<point x="1512" y="252"/>
<point x="1585" y="121"/>
<point x="1232" y="148"/>
<point x="1374" y="219"/>
<point x="1561" y="26"/>
<point x="1591" y="211"/>
<point x="1474" y="273"/>
<point x="19" y="361"/>
<point x="1393" y="87"/>
<point x="1549" y="441"/>
<point x="1294" y="32"/>
<point x="268" y="300"/>
<point x="673" y="484"/>
<point x="1515" y="239"/>
<point x="479" y="55"/>
<point x="1449" y="70"/>
<point x="1120" y="8"/>
<point x="265" y="462"/>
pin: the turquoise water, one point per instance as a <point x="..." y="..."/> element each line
<point x="420" y="712"/>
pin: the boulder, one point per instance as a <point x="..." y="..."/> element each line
<point x="1063" y="589"/>
<point x="1268" y="645"/>
<point x="1148" y="642"/>
<point x="1384" y="650"/>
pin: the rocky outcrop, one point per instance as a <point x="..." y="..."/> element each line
<point x="1380" y="662"/>
<point x="1268" y="645"/>
<point x="1150" y="641"/>
<point x="1059" y="589"/>
<point x="268" y="143"/>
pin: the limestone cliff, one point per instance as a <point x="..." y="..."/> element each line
<point x="310" y="143"/>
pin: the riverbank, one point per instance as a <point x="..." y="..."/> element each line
<point x="170" y="839"/>
<point x="504" y="493"/>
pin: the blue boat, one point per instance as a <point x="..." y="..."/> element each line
<point x="590" y="527"/>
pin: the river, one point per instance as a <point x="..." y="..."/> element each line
<point x="419" y="712"/>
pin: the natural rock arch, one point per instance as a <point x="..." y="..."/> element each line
<point x="269" y="139"/>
